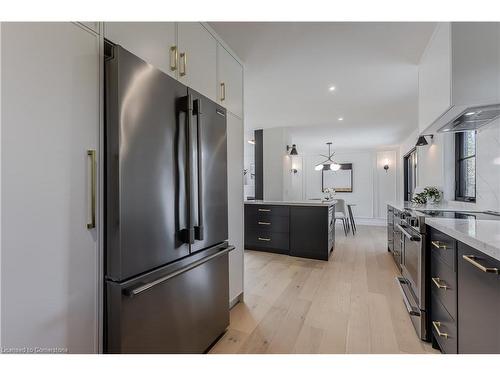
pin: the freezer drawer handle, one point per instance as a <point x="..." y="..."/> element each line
<point x="415" y="311"/>
<point x="135" y="291"/>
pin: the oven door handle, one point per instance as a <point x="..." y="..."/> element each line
<point x="412" y="310"/>
<point x="410" y="236"/>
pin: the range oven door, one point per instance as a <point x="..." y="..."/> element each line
<point x="412" y="282"/>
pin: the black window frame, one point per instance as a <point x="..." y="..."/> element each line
<point x="459" y="159"/>
<point x="409" y="190"/>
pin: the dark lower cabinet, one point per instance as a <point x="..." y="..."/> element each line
<point x="301" y="231"/>
<point x="478" y="302"/>
<point x="311" y="232"/>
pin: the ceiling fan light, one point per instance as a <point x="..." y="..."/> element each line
<point x="335" y="167"/>
<point x="318" y="167"/>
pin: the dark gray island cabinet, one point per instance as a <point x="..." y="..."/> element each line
<point x="295" y="229"/>
<point x="465" y="297"/>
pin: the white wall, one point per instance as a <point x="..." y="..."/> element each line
<point x="436" y="166"/>
<point x="372" y="185"/>
<point x="274" y="147"/>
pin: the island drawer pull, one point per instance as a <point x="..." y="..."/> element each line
<point x="436" y="327"/>
<point x="436" y="281"/>
<point x="472" y="259"/>
<point x="438" y="245"/>
<point x="264" y="209"/>
<point x="264" y="239"/>
<point x="263" y="223"/>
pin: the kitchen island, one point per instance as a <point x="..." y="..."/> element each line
<point x="297" y="228"/>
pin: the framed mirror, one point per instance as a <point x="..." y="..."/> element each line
<point x="340" y="180"/>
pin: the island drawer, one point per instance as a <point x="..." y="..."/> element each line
<point x="270" y="223"/>
<point x="444" y="247"/>
<point x="268" y="241"/>
<point x="444" y="328"/>
<point x="266" y="211"/>
<point x="444" y="285"/>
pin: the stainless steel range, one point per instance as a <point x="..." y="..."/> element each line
<point x="415" y="271"/>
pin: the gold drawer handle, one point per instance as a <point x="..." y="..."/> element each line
<point x="472" y="260"/>
<point x="264" y="239"/>
<point x="438" y="245"/>
<point x="173" y="58"/>
<point x="264" y="210"/>
<point x="263" y="223"/>
<point x="436" y="327"/>
<point x="93" y="188"/>
<point x="222" y="91"/>
<point x="436" y="281"/>
<point x="183" y="64"/>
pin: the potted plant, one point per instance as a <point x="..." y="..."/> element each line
<point x="430" y="194"/>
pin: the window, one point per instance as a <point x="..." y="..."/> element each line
<point x="465" y="166"/>
<point x="410" y="171"/>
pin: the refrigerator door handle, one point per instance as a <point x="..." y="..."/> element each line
<point x="144" y="287"/>
<point x="186" y="106"/>
<point x="198" y="229"/>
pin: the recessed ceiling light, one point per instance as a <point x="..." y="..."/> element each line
<point x="331" y="88"/>
<point x="341" y="119"/>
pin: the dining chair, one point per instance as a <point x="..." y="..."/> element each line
<point x="341" y="214"/>
<point x="351" y="217"/>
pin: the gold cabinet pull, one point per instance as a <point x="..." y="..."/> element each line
<point x="436" y="281"/>
<point x="436" y="327"/>
<point x="472" y="259"/>
<point x="173" y="58"/>
<point x="263" y="223"/>
<point x="93" y="187"/>
<point x="264" y="210"/>
<point x="438" y="245"/>
<point x="222" y="91"/>
<point x="183" y="64"/>
<point x="264" y="239"/>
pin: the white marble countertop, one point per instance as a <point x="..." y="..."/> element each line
<point x="294" y="203"/>
<point x="483" y="235"/>
<point x="441" y="206"/>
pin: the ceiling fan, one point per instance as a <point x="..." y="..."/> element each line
<point x="329" y="164"/>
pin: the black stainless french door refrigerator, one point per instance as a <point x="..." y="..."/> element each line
<point x="166" y="263"/>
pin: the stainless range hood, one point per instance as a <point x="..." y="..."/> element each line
<point x="472" y="118"/>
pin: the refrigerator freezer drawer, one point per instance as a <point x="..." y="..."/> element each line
<point x="182" y="311"/>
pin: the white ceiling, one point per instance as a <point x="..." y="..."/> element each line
<point x="290" y="66"/>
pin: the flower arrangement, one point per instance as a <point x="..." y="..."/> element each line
<point x="330" y="192"/>
<point x="430" y="193"/>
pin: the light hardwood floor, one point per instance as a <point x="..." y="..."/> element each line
<point x="350" y="304"/>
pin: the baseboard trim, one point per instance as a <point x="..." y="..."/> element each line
<point x="236" y="300"/>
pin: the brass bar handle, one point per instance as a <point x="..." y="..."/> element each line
<point x="472" y="260"/>
<point x="263" y="223"/>
<point x="436" y="327"/>
<point x="173" y="58"/>
<point x="438" y="245"/>
<point x="264" y="239"/>
<point x="222" y="91"/>
<point x="93" y="187"/>
<point x="264" y="210"/>
<point x="183" y="64"/>
<point x="436" y="281"/>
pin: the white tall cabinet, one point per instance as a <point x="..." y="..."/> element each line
<point x="155" y="42"/>
<point x="197" y="58"/>
<point x="235" y="150"/>
<point x="230" y="82"/>
<point x="50" y="84"/>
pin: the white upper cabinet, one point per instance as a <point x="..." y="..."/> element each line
<point x="197" y="58"/>
<point x="230" y="82"/>
<point x="154" y="42"/>
<point x="50" y="119"/>
<point x="434" y="78"/>
<point x="460" y="69"/>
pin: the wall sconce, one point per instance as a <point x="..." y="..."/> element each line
<point x="422" y="141"/>
<point x="386" y="165"/>
<point x="293" y="170"/>
<point x="291" y="150"/>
